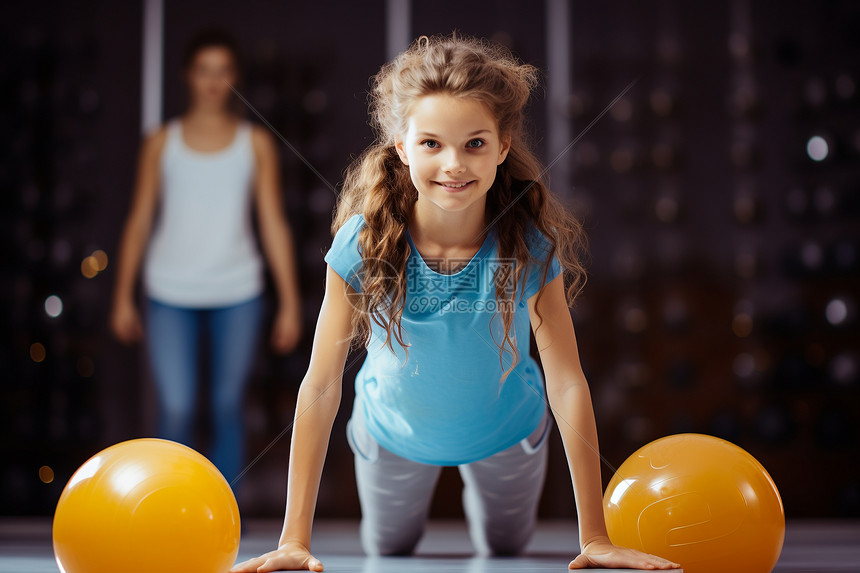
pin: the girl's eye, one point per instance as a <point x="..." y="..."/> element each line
<point x="476" y="143"/>
<point x="430" y="144"/>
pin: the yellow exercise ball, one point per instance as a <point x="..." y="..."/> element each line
<point x="146" y="505"/>
<point x="700" y="501"/>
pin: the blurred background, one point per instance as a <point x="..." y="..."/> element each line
<point x="721" y="194"/>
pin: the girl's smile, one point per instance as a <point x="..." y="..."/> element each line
<point x="454" y="186"/>
<point x="452" y="147"/>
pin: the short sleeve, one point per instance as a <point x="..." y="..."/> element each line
<point x="344" y="255"/>
<point x="540" y="248"/>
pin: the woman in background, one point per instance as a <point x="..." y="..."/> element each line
<point x="202" y="270"/>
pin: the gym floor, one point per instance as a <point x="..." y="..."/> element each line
<point x="814" y="545"/>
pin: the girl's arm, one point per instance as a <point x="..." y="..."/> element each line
<point x="124" y="319"/>
<point x="277" y="241"/>
<point x="570" y="400"/>
<point x="318" y="403"/>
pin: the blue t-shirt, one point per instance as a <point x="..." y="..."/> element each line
<point x="444" y="406"/>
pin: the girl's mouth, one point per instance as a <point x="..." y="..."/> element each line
<point x="454" y="186"/>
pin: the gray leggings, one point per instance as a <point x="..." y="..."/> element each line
<point x="500" y="494"/>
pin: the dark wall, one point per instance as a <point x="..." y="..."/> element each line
<point x="722" y="256"/>
<point x="70" y="122"/>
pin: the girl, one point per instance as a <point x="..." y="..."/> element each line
<point x="203" y="269"/>
<point x="447" y="247"/>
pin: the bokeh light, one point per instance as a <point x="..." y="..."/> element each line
<point x="93" y="264"/>
<point x="817" y="148"/>
<point x="53" y="306"/>
<point x="744" y="365"/>
<point x="666" y="209"/>
<point x="89" y="267"/>
<point x="622" y="159"/>
<point x="622" y="110"/>
<point x="101" y="259"/>
<point x="38" y="352"/>
<point x="812" y="255"/>
<point x="844" y="368"/>
<point x="661" y="102"/>
<point x="746" y="263"/>
<point x="634" y="319"/>
<point x="742" y="325"/>
<point x="844" y="86"/>
<point x="836" y="311"/>
<point x="46" y="474"/>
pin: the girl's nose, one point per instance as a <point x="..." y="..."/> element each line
<point x="453" y="162"/>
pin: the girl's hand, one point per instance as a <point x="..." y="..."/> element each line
<point x="125" y="323"/>
<point x="288" y="557"/>
<point x="286" y="330"/>
<point x="602" y="553"/>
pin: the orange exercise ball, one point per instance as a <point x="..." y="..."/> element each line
<point x="700" y="501"/>
<point x="146" y="505"/>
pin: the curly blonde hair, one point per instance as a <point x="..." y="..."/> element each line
<point x="378" y="185"/>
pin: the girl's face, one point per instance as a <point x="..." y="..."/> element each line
<point x="208" y="76"/>
<point x="452" y="147"/>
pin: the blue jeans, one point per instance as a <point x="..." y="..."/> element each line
<point x="173" y="337"/>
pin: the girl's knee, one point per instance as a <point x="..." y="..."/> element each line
<point x="508" y="547"/>
<point x="392" y="550"/>
<point x="381" y="546"/>
<point x="393" y="539"/>
<point x="503" y="539"/>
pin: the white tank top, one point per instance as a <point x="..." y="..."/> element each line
<point x="203" y="252"/>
